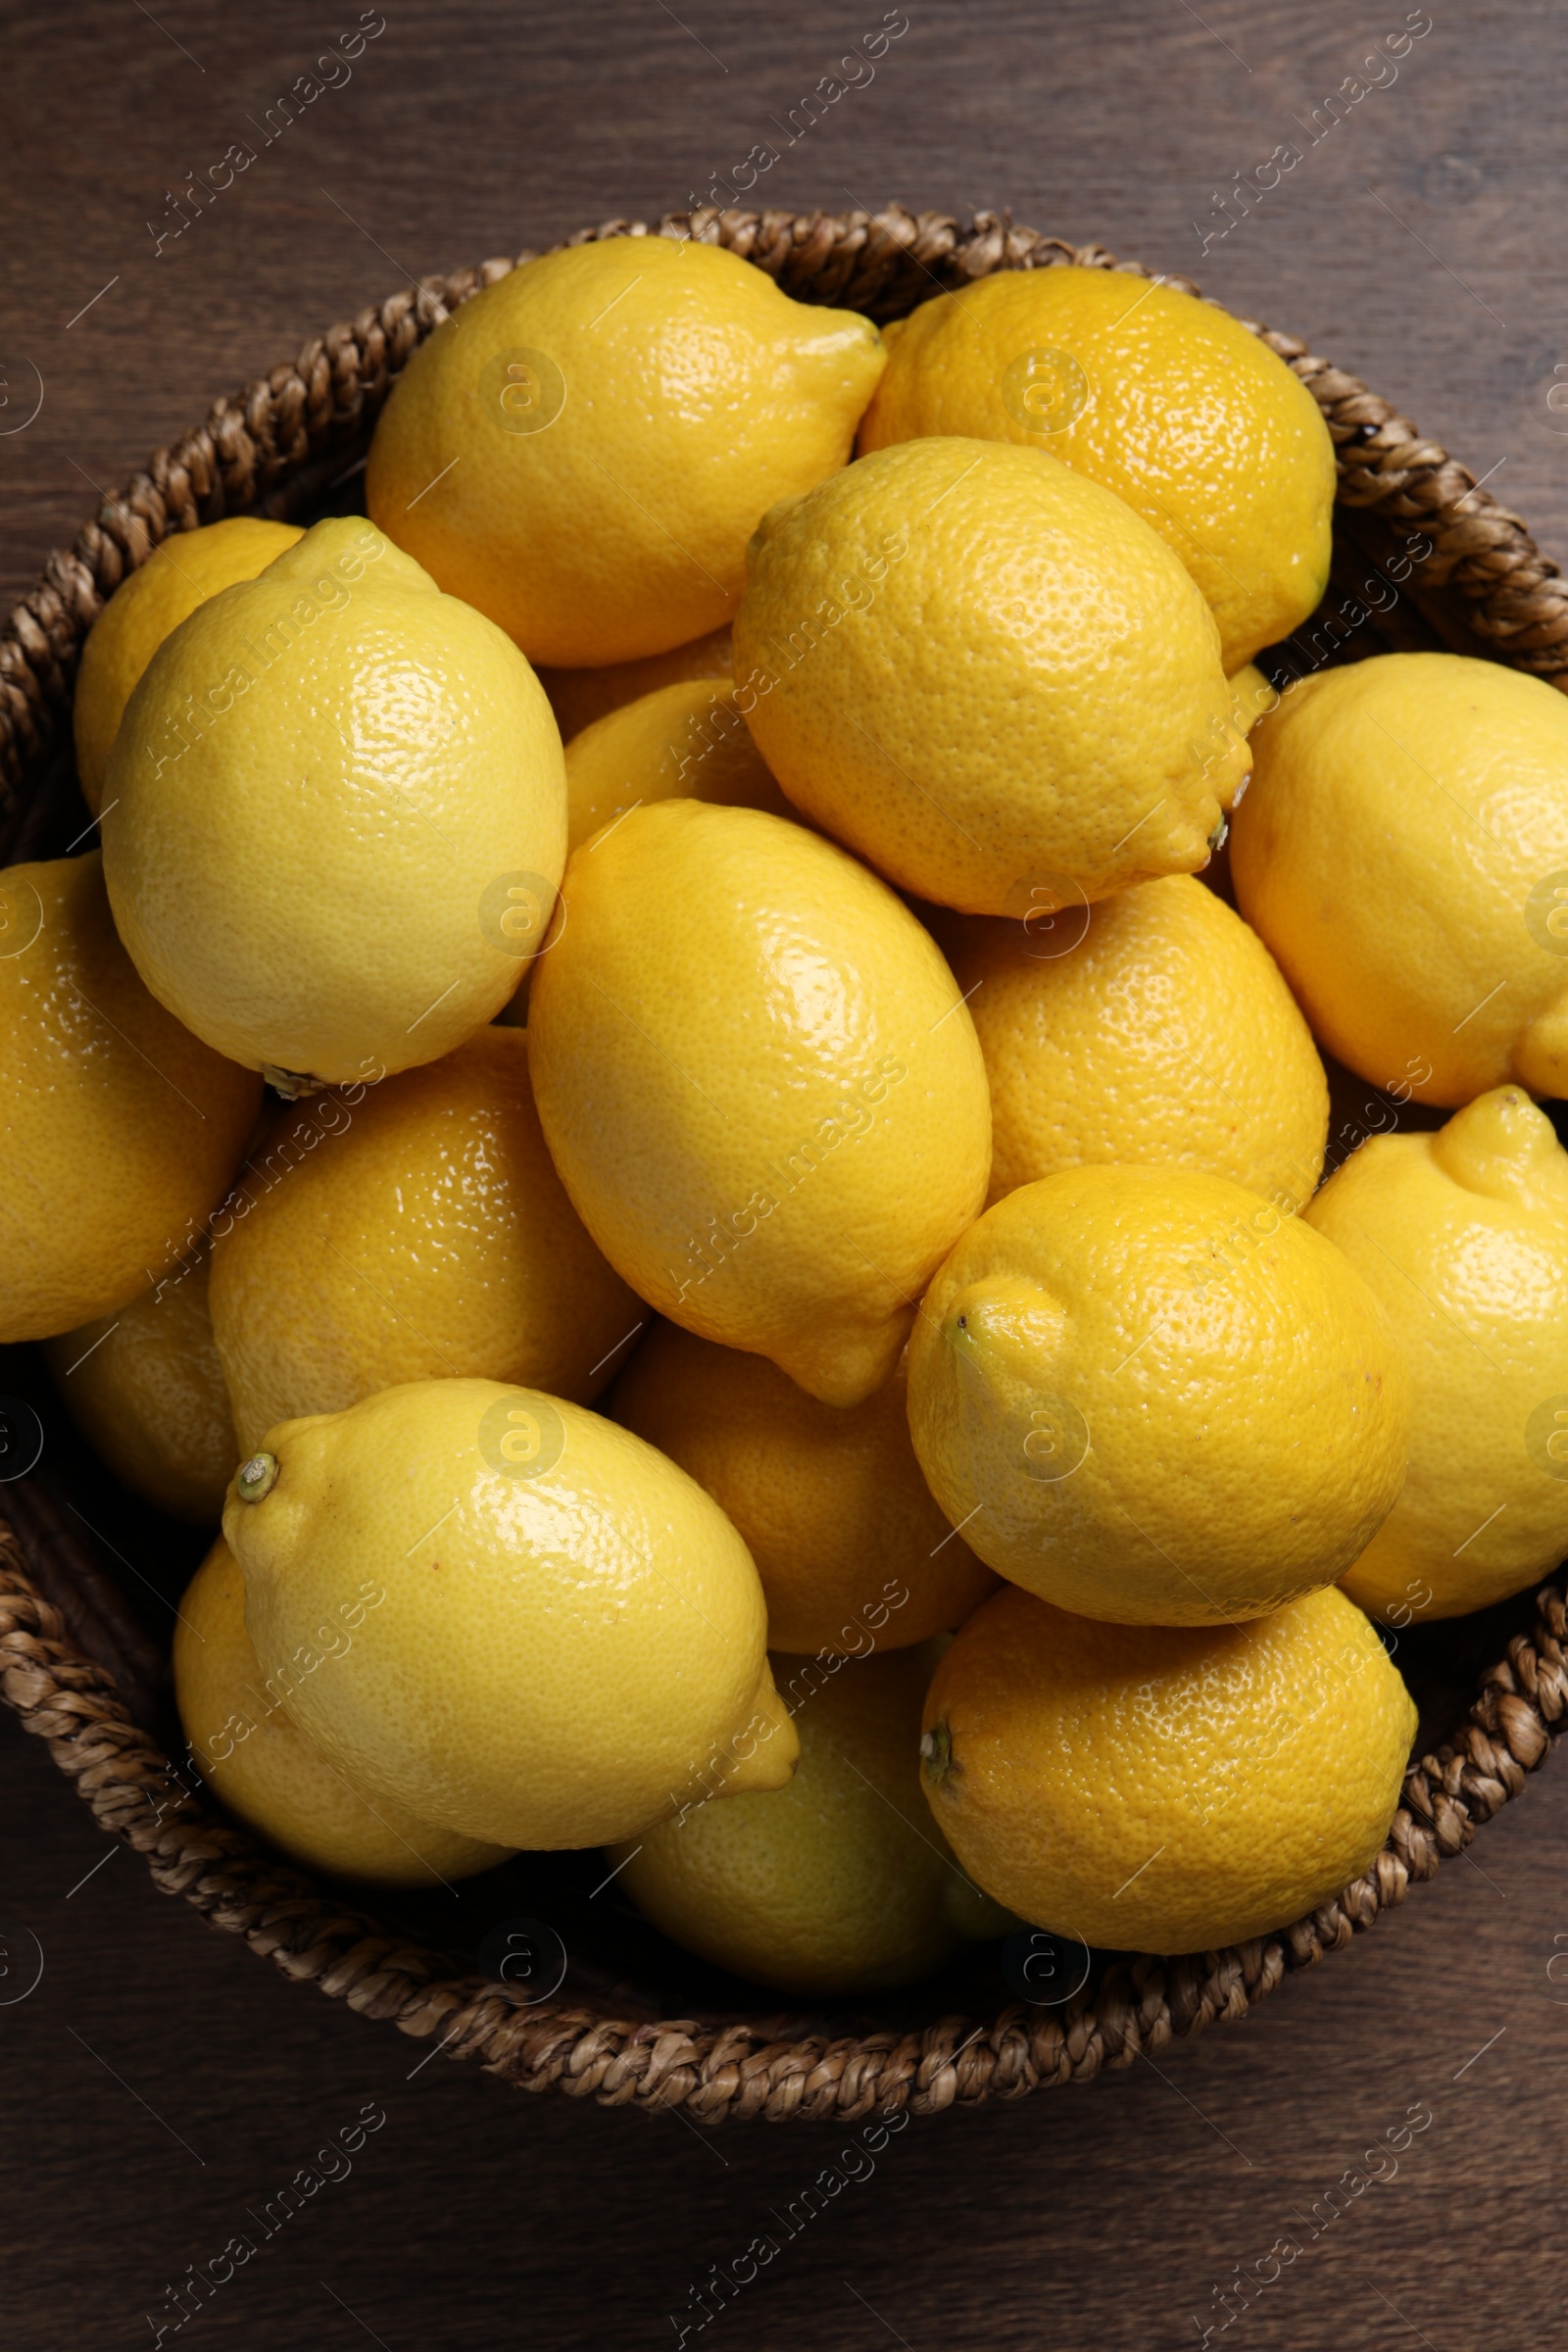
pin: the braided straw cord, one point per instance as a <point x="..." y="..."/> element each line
<point x="281" y="438"/>
<point x="740" y="2070"/>
<point x="886" y="263"/>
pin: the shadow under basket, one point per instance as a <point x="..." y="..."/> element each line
<point x="540" y="1970"/>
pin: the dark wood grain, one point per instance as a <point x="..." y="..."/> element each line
<point x="161" y="2083"/>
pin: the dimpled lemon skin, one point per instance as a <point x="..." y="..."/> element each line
<point x="759" y="1087"/>
<point x="322" y="787"/>
<point x="1404" y="851"/>
<point x="146" y="1387"/>
<point x="424" y="1232"/>
<point x="1163" y="399"/>
<point x="682" y="742"/>
<point x="578" y="697"/>
<point x="176" y="577"/>
<point x="989" y="678"/>
<point x="119" y="1130"/>
<point x="679" y="393"/>
<point x="835" y="1884"/>
<point x="1463" y="1235"/>
<point x="852" y="1552"/>
<point x="1161" y="1788"/>
<point x="1153" y="1028"/>
<point x="1150" y="1397"/>
<point x="571" y="1643"/>
<point x="267" y="1773"/>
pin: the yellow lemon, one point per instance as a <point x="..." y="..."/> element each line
<point x="146" y="1387"/>
<point x="119" y="1130"/>
<point x="988" y="676"/>
<point x="852" y="1552"/>
<point x="835" y="1884"/>
<point x="1150" y="1397"/>
<point x="578" y="697"/>
<point x="1153" y="1028"/>
<point x="176" y="577"/>
<point x="1403" y="851"/>
<point x="682" y="742"/>
<point x="270" y="1776"/>
<point x="1165" y="1789"/>
<point x="419" y="1233"/>
<point x="761" y="1088"/>
<point x="565" y="1638"/>
<point x="1463" y="1235"/>
<point x="1168" y="400"/>
<point x="583" y="450"/>
<point x="332" y="791"/>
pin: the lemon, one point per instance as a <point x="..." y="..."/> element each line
<point x="1463" y="1235"/>
<point x="989" y="678"/>
<point x="1168" y="400"/>
<point x="578" y="697"/>
<point x="1403" y="851"/>
<point x="852" y="1552"/>
<point x="270" y="1776"/>
<point x="176" y="577"/>
<point x="837" y="1882"/>
<point x="1165" y="1789"/>
<point x="566" y="1639"/>
<point x="682" y="742"/>
<point x="146" y="1387"/>
<point x="1153" y="1028"/>
<point x="119" y="1130"/>
<point x="762" y="1093"/>
<point x="419" y="1233"/>
<point x="1149" y="1396"/>
<point x="583" y="449"/>
<point x="332" y="793"/>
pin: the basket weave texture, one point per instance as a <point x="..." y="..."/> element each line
<point x="78" y="1671"/>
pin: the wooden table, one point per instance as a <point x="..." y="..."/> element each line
<point x="161" y="2084"/>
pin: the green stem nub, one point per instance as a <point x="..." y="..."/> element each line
<point x="257" y="1478"/>
<point x="292" y="1085"/>
<point x="935" y="1754"/>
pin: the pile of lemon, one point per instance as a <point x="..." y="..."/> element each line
<point x="765" y="1273"/>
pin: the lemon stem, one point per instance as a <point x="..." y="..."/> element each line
<point x="257" y="1478"/>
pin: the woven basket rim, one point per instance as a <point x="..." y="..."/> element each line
<point x="68" y="1651"/>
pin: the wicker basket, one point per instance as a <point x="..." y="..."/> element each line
<point x="635" y="2022"/>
